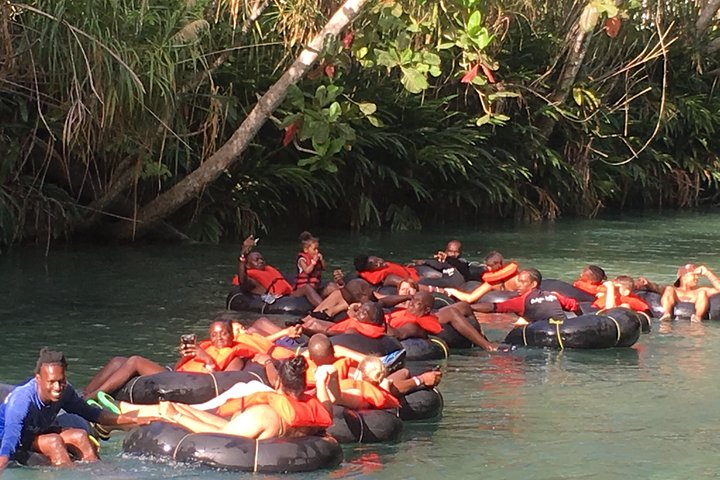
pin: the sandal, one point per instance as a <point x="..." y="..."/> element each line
<point x="108" y="403"/>
<point x="320" y="315"/>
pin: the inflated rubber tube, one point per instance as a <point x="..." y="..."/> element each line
<point x="248" y="302"/>
<point x="622" y="329"/>
<point x="566" y="289"/>
<point x="181" y="387"/>
<point x="433" y="348"/>
<point x="430" y="276"/>
<point x="682" y="309"/>
<point x="643" y="318"/>
<point x="278" y="455"/>
<point x="454" y="339"/>
<point x="369" y="346"/>
<point x="421" y="404"/>
<point x="498" y="296"/>
<point x="365" y="426"/>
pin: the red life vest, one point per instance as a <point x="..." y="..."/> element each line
<point x="376" y="277"/>
<point x="400" y="317"/>
<point x="366" y="329"/>
<point x="501" y="276"/>
<point x="221" y="356"/>
<point x="305" y="411"/>
<point x="313" y="278"/>
<point x="368" y="393"/>
<point x="271" y="279"/>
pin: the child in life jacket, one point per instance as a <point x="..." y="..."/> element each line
<point x="310" y="265"/>
<point x="619" y="293"/>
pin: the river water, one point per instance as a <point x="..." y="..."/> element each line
<point x="648" y="411"/>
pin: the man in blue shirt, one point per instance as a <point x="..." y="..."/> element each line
<point x="27" y="416"/>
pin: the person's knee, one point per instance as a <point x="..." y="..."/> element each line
<point x="77" y="437"/>
<point x="135" y="360"/>
<point x="53" y="446"/>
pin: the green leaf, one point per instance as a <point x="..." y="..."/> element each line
<point x="413" y="80"/>
<point x="445" y="46"/>
<point x="503" y="94"/>
<point x="473" y="24"/>
<point x="388" y="59"/>
<point x="367" y="108"/>
<point x="397" y="10"/>
<point x="431" y="58"/>
<point x="483" y="120"/>
<point x="334" y="112"/>
<point x="375" y="121"/>
<point x="577" y="96"/>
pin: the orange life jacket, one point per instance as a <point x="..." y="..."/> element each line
<point x="500" y="276"/>
<point x="271" y="279"/>
<point x="342" y="365"/>
<point x="371" y="394"/>
<point x="633" y="301"/>
<point x="589" y="287"/>
<point x="221" y="356"/>
<point x="306" y="411"/>
<point x="400" y="317"/>
<point x="260" y="344"/>
<point x="366" y="329"/>
<point x="376" y="277"/>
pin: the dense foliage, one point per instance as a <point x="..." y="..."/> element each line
<point x="420" y="112"/>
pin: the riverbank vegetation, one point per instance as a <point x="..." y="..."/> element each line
<point x="210" y="118"/>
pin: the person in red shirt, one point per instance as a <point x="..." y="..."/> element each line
<point x="532" y="304"/>
<point x="220" y="353"/>
<point x="286" y="412"/>
<point x="619" y="293"/>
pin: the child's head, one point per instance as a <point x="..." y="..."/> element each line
<point x="372" y="369"/>
<point x="593" y="274"/>
<point x="237" y="328"/>
<point x="624" y="284"/>
<point x="494" y="261"/>
<point x="407" y="287"/>
<point x="308" y="242"/>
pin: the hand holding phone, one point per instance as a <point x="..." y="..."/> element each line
<point x="187" y="344"/>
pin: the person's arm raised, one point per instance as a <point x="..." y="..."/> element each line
<point x="710" y="275"/>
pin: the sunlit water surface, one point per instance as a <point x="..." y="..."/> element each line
<point x="649" y="411"/>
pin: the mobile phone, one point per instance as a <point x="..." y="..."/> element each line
<point x="188" y="339"/>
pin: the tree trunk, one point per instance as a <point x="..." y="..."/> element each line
<point x="706" y="16"/>
<point x="573" y="62"/>
<point x="191" y="186"/>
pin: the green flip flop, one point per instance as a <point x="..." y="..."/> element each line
<point x="109" y="403"/>
<point x="93" y="403"/>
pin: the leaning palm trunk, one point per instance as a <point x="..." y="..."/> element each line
<point x="193" y="184"/>
<point x="573" y="62"/>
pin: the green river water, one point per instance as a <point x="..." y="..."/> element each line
<point x="645" y="412"/>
